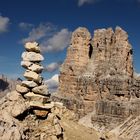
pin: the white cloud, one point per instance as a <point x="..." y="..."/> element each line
<point x="25" y="26"/>
<point x="57" y="42"/>
<point x="4" y="23"/>
<point x="52" y="66"/>
<point x="82" y="2"/>
<point x="52" y="83"/>
<point x="39" y="32"/>
<point x="49" y="37"/>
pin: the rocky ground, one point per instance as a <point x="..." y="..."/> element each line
<point x="17" y="121"/>
<point x="75" y="131"/>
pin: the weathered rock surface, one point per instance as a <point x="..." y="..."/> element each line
<point x="11" y="106"/>
<point x="14" y="104"/>
<point x="101" y="68"/>
<point x="97" y="75"/>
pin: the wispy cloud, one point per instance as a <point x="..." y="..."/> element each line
<point x="52" y="83"/>
<point x="4" y="24"/>
<point x="53" y="66"/>
<point x="25" y="26"/>
<point x="58" y="42"/>
<point x="39" y="32"/>
<point x="82" y="2"/>
<point x="51" y="38"/>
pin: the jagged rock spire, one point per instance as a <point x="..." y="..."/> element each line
<point x="101" y="68"/>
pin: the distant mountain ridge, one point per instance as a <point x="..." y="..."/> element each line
<point x="7" y="84"/>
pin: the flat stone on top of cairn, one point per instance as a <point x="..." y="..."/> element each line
<point x="32" y="46"/>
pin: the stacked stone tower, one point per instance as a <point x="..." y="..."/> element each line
<point x="33" y="89"/>
<point x="36" y="112"/>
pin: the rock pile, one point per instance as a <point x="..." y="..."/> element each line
<point x="33" y="88"/>
<point x="28" y="109"/>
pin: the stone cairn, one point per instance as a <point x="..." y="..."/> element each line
<point x="33" y="88"/>
<point x="36" y="94"/>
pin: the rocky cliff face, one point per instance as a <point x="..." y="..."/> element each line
<point x="98" y="76"/>
<point x="98" y="68"/>
<point x="76" y="60"/>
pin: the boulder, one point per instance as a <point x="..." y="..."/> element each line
<point x="13" y="104"/>
<point x="32" y="57"/>
<point x="19" y="108"/>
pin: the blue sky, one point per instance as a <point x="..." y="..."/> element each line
<point x="50" y="22"/>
